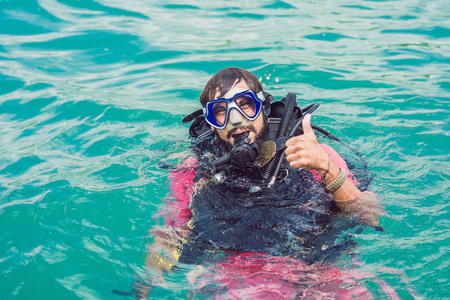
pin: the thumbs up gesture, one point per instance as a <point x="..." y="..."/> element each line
<point x="304" y="151"/>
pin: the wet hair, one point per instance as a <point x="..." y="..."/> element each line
<point x="224" y="81"/>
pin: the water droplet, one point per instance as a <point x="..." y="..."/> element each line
<point x="254" y="189"/>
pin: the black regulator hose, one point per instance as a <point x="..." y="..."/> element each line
<point x="282" y="130"/>
<point x="243" y="154"/>
<point x="287" y="114"/>
<point x="308" y="110"/>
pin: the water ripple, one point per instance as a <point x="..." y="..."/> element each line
<point x="92" y="94"/>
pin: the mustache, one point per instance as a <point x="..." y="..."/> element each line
<point x="246" y="127"/>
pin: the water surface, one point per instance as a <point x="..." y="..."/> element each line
<point x="91" y="98"/>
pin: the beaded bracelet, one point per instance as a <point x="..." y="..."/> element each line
<point x="335" y="184"/>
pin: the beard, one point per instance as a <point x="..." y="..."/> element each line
<point x="259" y="139"/>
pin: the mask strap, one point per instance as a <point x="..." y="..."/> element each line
<point x="267" y="99"/>
<point x="192" y="116"/>
<point x="261" y="95"/>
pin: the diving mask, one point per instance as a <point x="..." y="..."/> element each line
<point x="217" y="111"/>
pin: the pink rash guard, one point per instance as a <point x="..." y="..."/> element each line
<point x="338" y="161"/>
<point x="178" y="212"/>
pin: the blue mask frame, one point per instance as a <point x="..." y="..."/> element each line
<point x="208" y="111"/>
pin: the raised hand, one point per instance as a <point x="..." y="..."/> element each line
<point x="304" y="151"/>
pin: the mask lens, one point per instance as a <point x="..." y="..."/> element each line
<point x="220" y="112"/>
<point x="247" y="104"/>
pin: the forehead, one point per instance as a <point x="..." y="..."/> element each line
<point x="237" y="88"/>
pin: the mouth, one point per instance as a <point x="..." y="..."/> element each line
<point x="239" y="130"/>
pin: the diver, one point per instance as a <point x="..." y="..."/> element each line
<point x="259" y="183"/>
<point x="237" y="112"/>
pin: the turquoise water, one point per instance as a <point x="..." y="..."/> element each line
<point x="91" y="98"/>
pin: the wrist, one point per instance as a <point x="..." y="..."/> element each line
<point x="333" y="177"/>
<point x="324" y="166"/>
<point x="332" y="174"/>
<point x="328" y="170"/>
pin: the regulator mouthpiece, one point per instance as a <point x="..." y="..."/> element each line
<point x="243" y="154"/>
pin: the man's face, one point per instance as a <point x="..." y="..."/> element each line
<point x="237" y="123"/>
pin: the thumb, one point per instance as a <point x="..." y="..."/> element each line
<point x="306" y="124"/>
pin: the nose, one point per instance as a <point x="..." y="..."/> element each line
<point x="235" y="117"/>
